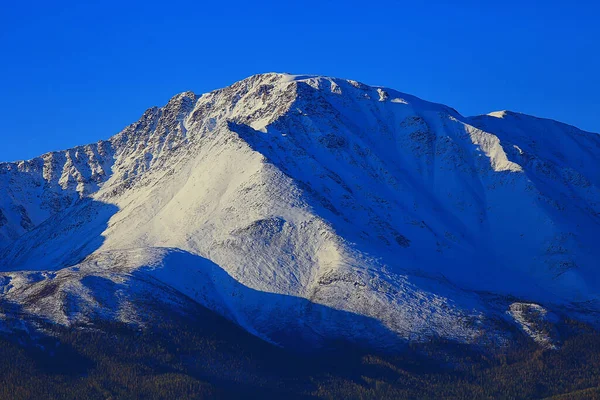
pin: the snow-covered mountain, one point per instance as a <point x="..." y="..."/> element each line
<point x="308" y="209"/>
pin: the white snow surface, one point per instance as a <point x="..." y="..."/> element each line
<point x="314" y="206"/>
<point x="534" y="321"/>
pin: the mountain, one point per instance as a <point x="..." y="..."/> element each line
<point x="309" y="210"/>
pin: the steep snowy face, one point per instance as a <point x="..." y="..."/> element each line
<point x="431" y="191"/>
<point x="316" y="206"/>
<point x="36" y="189"/>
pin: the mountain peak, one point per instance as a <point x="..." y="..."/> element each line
<point x="400" y="218"/>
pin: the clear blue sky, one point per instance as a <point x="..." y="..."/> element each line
<point x="73" y="73"/>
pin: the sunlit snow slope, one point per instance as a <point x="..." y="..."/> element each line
<point x="311" y="208"/>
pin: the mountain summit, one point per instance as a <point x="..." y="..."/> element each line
<point x="308" y="209"/>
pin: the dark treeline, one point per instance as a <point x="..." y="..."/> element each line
<point x="208" y="357"/>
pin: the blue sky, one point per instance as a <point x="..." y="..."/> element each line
<point x="73" y="73"/>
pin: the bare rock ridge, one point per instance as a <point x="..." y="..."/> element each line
<point x="308" y="209"/>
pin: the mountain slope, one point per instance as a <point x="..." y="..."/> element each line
<point x="313" y="207"/>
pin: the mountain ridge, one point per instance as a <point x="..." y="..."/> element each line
<point x="152" y="109"/>
<point x="359" y="198"/>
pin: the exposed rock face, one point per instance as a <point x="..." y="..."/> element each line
<point x="313" y="208"/>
